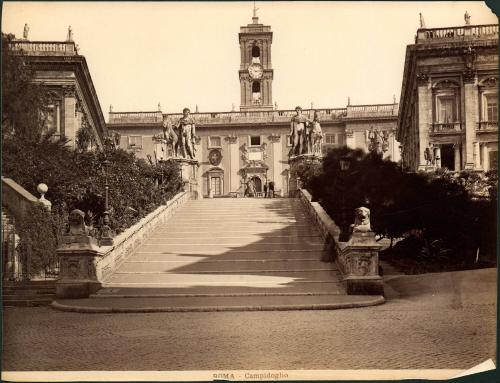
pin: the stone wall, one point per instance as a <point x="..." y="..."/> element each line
<point x="356" y="259"/>
<point x="84" y="266"/>
<point x="16" y="198"/>
<point x="127" y="242"/>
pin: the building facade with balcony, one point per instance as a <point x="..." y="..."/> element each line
<point x="449" y="99"/>
<point x="73" y="102"/>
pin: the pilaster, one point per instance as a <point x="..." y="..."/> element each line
<point x="277" y="160"/>
<point x="486" y="157"/>
<point x="471" y="118"/>
<point x="457" y="159"/>
<point x="234" y="162"/>
<point x="424" y="117"/>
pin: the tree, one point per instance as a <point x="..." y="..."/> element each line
<point x="24" y="102"/>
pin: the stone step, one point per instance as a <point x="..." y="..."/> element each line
<point x="209" y="266"/>
<point x="205" y="247"/>
<point x="28" y="302"/>
<point x="211" y="233"/>
<point x="332" y="286"/>
<point x="233" y="279"/>
<point x="167" y="240"/>
<point x="217" y="303"/>
<point x="235" y="254"/>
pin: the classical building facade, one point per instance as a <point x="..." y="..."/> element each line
<point x="254" y="143"/>
<point x="73" y="102"/>
<point x="449" y="99"/>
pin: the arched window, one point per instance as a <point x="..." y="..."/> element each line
<point x="256" y="87"/>
<point x="255" y="51"/>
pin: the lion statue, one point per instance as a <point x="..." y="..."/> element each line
<point x="362" y="220"/>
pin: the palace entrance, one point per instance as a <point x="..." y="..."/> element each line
<point x="258" y="184"/>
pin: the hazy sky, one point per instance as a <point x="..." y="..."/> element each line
<point x="183" y="54"/>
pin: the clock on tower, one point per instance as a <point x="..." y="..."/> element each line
<point x="256" y="73"/>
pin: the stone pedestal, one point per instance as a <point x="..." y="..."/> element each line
<point x="78" y="256"/>
<point x="358" y="263"/>
<point x="190" y="178"/>
<point x="295" y="163"/>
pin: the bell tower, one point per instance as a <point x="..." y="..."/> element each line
<point x="256" y="73"/>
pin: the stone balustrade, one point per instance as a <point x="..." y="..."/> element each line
<point x="18" y="200"/>
<point x="357" y="259"/>
<point x="135" y="117"/>
<point x="44" y="48"/>
<point x="249" y="117"/>
<point x="489" y="126"/>
<point x="446" y="127"/>
<point x="431" y="35"/>
<point x="84" y="266"/>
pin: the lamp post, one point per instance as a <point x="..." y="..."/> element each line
<point x="106" y="238"/>
<point x="345" y="164"/>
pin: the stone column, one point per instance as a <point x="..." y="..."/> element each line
<point x="438" y="156"/>
<point x="486" y="158"/>
<point x="471" y="118"/>
<point x="424" y="118"/>
<point x="234" y="161"/>
<point x="70" y="123"/>
<point x="458" y="162"/>
<point x="476" y="156"/>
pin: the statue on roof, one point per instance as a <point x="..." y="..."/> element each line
<point x="467" y="18"/>
<point x="26" y="31"/>
<point x="422" y="22"/>
<point x="70" y="34"/>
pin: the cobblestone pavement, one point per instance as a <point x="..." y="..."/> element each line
<point x="430" y="328"/>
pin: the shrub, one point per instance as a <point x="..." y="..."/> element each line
<point x="39" y="233"/>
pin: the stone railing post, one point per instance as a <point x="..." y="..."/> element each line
<point x="358" y="259"/>
<point x="78" y="255"/>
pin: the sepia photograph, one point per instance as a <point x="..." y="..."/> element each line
<point x="249" y="190"/>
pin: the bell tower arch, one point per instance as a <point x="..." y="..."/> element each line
<point x="256" y="72"/>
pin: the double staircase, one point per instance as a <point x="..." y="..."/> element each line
<point x="227" y="254"/>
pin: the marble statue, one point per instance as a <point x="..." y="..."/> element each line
<point x="70" y="34"/>
<point x="26" y="31"/>
<point x="170" y="136"/>
<point x="186" y="135"/>
<point x="298" y="132"/>
<point x="429" y="155"/>
<point x="422" y="22"/>
<point x="467" y="18"/>
<point x="361" y="220"/>
<point x="315" y="136"/>
<point x="76" y="222"/>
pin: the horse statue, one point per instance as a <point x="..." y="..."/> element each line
<point x="170" y="136"/>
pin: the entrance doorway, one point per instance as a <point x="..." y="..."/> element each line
<point x="448" y="157"/>
<point x="215" y="185"/>
<point x="257" y="183"/>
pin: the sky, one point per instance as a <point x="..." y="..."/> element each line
<point x="187" y="53"/>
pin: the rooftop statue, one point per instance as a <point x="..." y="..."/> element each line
<point x="26" y="31"/>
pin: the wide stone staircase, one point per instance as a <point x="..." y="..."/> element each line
<point x="226" y="254"/>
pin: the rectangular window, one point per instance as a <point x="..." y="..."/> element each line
<point x="491" y="108"/>
<point x="215" y="185"/>
<point x="446" y="109"/>
<point x="255" y="141"/>
<point x="135" y="142"/>
<point x="214" y="142"/>
<point x="493" y="159"/>
<point x="51" y="119"/>
<point x="330" y="139"/>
